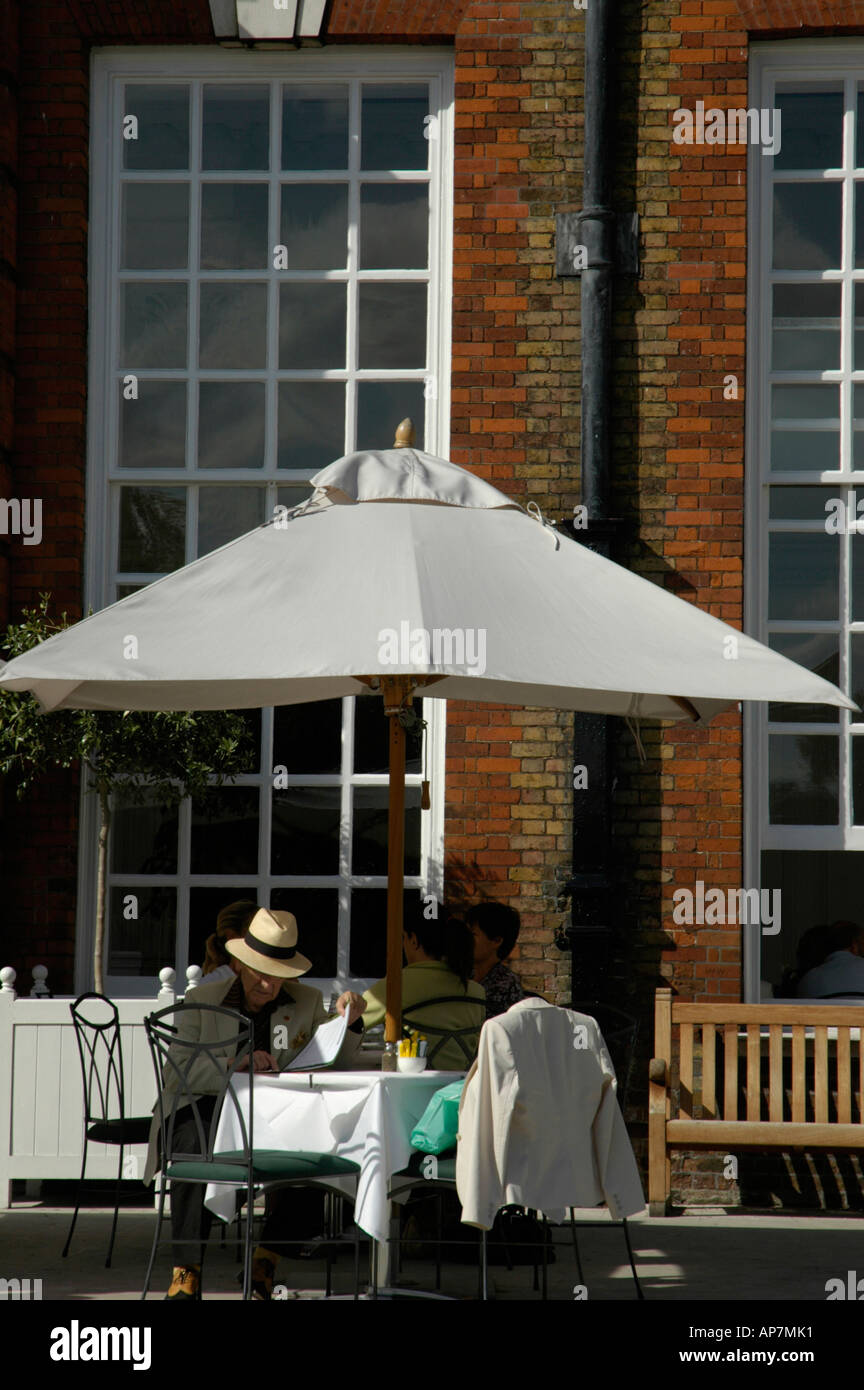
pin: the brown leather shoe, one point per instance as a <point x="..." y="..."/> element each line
<point x="185" y="1284"/>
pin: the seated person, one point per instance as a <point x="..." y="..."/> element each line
<point x="439" y="955"/>
<point x="842" y="970"/>
<point x="495" y="927"/>
<point x="231" y="922"/>
<point x="265" y="991"/>
<point x="810" y="951"/>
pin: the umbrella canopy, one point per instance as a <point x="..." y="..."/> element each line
<point x="405" y="564"/>
<point x="405" y="573"/>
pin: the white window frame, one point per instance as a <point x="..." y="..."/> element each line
<point x="110" y="69"/>
<point x="803" y="60"/>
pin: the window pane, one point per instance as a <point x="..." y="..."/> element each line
<point x="231" y="424"/>
<point x="236" y="127"/>
<point x="803" y="576"/>
<point x="314" y="226"/>
<point x="372" y="737"/>
<point x="162" y="136"/>
<point x="392" y="325"/>
<point x="856" y="653"/>
<point x="393" y="132"/>
<point x="811" y="125"/>
<point x="858" y="328"/>
<point x="234" y="226"/>
<point x="225" y="832"/>
<point x="803" y="779"/>
<point x="858" y="784"/>
<point x="233" y="326"/>
<point x="227" y="512"/>
<point x="155" y="226"/>
<point x="315" y="126"/>
<point x="152" y="529"/>
<point x="818" y="651"/>
<point x="807" y="226"/>
<point x="154" y="324"/>
<point x="369" y="849"/>
<point x="369" y="929"/>
<point x="305" y="836"/>
<point x="311" y="423"/>
<point x="317" y="913"/>
<point x="308" y="738"/>
<point x="816" y="886"/>
<point x="856" y="547"/>
<point x="394" y="226"/>
<point x="143" y="944"/>
<point x="291" y="496"/>
<point x="153" y="427"/>
<point x="380" y="407"/>
<point x="312" y="326"/>
<point x="804" y="450"/>
<point x="799" y="503"/>
<point x="806" y="328"/>
<point x="143" y="838"/>
<point x="252" y="719"/>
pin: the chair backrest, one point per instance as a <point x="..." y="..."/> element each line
<point x="190" y="1072"/>
<point x="97" y="1033"/>
<point x="465" y="1038"/>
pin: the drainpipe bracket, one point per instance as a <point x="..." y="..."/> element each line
<point x="596" y="238"/>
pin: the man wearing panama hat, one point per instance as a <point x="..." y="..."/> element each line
<point x="284" y="1017"/>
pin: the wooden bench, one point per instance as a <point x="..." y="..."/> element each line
<point x="750" y="1077"/>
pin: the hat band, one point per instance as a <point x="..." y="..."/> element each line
<point x="276" y="952"/>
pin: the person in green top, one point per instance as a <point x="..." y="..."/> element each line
<point x="440" y="958"/>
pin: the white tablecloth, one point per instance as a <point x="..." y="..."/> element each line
<point x="366" y="1116"/>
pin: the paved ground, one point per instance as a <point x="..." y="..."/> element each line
<point x="691" y="1256"/>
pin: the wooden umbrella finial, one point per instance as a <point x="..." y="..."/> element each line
<point x="405" y="435"/>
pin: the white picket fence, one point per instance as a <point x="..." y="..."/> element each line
<point x="41" y="1091"/>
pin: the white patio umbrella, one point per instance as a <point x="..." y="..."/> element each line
<point x="405" y="573"/>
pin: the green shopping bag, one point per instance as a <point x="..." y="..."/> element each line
<point x="438" y="1126"/>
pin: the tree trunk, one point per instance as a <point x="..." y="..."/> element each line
<point x="101" y="882"/>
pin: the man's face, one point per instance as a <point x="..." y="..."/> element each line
<point x="258" y="988"/>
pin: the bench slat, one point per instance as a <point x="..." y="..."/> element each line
<point x="844" y="1076"/>
<point x="754" y="1094"/>
<point x="730" y="1071"/>
<point x="798" y="1075"/>
<point x="709" y="1062"/>
<point x="685" y="1070"/>
<point x="717" y="1134"/>
<point x="775" y="1072"/>
<point x="820" y="1074"/>
<point x="852" y="1014"/>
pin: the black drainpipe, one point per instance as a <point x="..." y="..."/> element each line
<point x="594" y="243"/>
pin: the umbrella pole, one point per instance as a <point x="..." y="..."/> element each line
<point x="396" y="691"/>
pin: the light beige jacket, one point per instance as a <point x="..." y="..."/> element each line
<point x="301" y="1010"/>
<point x="539" y="1121"/>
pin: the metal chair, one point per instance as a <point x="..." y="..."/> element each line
<point x="194" y="1085"/>
<point x="105" y="1118"/>
<point x="464" y="1038"/>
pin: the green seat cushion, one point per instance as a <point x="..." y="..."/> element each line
<point x="269" y="1166"/>
<point x="432" y="1167"/>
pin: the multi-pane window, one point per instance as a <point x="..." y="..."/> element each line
<point x="806" y="464"/>
<point x="269" y="282"/>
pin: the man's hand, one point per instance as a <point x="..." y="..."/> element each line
<point x="352" y="1004"/>
<point x="261" y="1061"/>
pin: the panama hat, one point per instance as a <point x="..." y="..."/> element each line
<point x="269" y="944"/>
